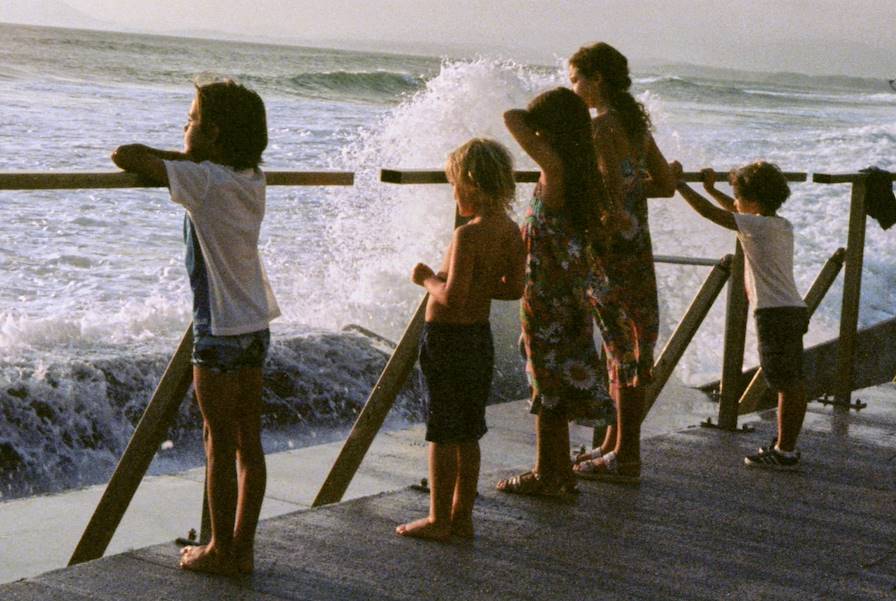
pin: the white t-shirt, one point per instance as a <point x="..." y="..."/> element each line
<point x="226" y="207"/>
<point x="768" y="248"/>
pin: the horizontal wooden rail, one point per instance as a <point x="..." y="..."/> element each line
<point x="842" y="178"/>
<point x="432" y="176"/>
<point x="672" y="260"/>
<point x="791" y="176"/>
<point x="120" y="179"/>
<point x="424" y="176"/>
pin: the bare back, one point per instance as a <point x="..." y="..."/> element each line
<point x="485" y="257"/>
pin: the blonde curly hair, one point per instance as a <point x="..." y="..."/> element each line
<point x="486" y="167"/>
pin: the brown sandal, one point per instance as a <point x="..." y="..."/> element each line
<point x="534" y="485"/>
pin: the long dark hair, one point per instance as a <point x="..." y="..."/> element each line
<point x="562" y="115"/>
<point x="603" y="59"/>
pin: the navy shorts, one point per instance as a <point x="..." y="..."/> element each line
<point x="230" y="353"/>
<point x="456" y="363"/>
<point x="780" y="331"/>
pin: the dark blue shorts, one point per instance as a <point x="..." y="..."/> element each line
<point x="780" y="331"/>
<point x="230" y="353"/>
<point x="456" y="362"/>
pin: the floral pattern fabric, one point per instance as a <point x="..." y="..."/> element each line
<point x="562" y="362"/>
<point x="623" y="293"/>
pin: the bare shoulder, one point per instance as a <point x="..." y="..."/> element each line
<point x="486" y="231"/>
<point x="511" y="227"/>
<point x="507" y="231"/>
<point x="468" y="235"/>
<point x="605" y="124"/>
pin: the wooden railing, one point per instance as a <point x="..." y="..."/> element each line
<point x="727" y="269"/>
<point x="163" y="406"/>
<point x="175" y="382"/>
<point x="852" y="280"/>
<point x="120" y="179"/>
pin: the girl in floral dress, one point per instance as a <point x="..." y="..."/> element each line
<point x="562" y="232"/>
<point x="632" y="169"/>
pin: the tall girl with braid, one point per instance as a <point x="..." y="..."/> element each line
<point x="632" y="169"/>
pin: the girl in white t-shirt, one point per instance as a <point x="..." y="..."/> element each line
<point x="781" y="317"/>
<point x="217" y="180"/>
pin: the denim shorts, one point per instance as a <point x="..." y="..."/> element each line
<point x="456" y="363"/>
<point x="780" y="332"/>
<point x="230" y="353"/>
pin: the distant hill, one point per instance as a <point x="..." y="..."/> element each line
<point x="52" y="13"/>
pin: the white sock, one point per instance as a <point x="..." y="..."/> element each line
<point x="787" y="454"/>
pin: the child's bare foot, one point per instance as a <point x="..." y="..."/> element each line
<point x="245" y="561"/>
<point x="463" y="528"/>
<point x="207" y="560"/>
<point x="426" y="529"/>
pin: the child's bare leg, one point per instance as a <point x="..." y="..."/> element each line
<point x="251" y="469"/>
<point x="214" y="392"/>
<point x="629" y="412"/>
<point x="791" y="411"/>
<point x="610" y="440"/>
<point x="551" y="447"/>
<point x="467" y="483"/>
<point x="442" y="479"/>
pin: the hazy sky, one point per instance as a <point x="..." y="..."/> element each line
<point x="815" y="36"/>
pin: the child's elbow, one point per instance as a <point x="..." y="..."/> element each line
<point x="125" y="157"/>
<point x="118" y="157"/>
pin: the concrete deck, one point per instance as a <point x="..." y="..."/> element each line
<point x="699" y="526"/>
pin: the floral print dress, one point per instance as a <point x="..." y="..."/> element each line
<point x="562" y="362"/>
<point x="623" y="291"/>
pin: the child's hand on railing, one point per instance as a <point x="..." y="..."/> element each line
<point x="708" y="177"/>
<point x="421" y="273"/>
<point x="677" y="170"/>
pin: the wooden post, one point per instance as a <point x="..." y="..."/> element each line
<point x="735" y="338"/>
<point x="374" y="412"/>
<point x="149" y="434"/>
<point x="758" y="386"/>
<point x="687" y="328"/>
<point x="852" y="287"/>
<point x="382" y="397"/>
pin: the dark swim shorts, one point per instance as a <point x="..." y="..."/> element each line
<point x="230" y="353"/>
<point x="780" y="331"/>
<point x="456" y="362"/>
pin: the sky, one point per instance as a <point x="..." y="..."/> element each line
<point x="808" y="36"/>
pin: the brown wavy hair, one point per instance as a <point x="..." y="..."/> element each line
<point x="612" y="66"/>
<point x="565" y="117"/>
<point x="761" y="182"/>
<point x="239" y="115"/>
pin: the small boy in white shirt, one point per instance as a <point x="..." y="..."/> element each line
<point x="781" y="317"/>
<point x="217" y="180"/>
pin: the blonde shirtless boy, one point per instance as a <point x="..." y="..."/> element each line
<point x="485" y="261"/>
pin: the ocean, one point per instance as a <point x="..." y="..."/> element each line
<point x="93" y="294"/>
